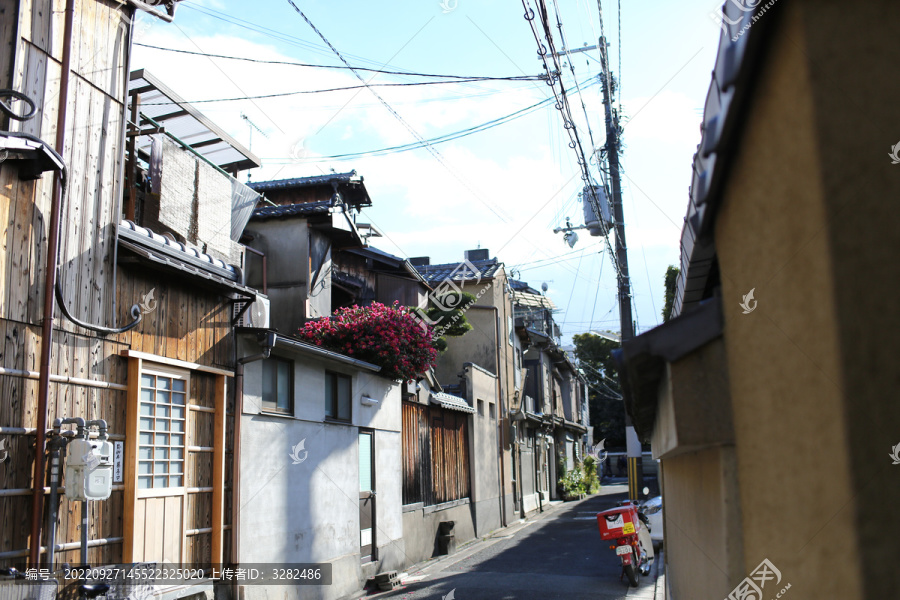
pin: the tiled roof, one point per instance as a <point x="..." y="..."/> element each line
<point x="189" y="254"/>
<point x="450" y="401"/>
<point x="462" y="271"/>
<point x="280" y="184"/>
<point x="303" y="209"/>
<point x="724" y="114"/>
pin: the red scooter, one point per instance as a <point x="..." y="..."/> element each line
<point x="627" y="526"/>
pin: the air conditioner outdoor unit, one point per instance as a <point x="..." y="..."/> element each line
<point x="256" y="316"/>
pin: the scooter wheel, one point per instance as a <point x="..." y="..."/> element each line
<point x="632" y="573"/>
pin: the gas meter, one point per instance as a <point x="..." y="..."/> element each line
<point x="89" y="469"/>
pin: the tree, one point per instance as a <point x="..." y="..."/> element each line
<point x="594" y="355"/>
<point x="671" y="280"/>
<point x="448" y="314"/>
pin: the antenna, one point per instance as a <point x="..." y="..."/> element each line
<point x="253" y="126"/>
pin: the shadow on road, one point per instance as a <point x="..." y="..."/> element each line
<point x="559" y="555"/>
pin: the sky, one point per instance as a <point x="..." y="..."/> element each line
<point x="505" y="188"/>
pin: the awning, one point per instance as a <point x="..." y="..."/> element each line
<point x="451" y="402"/>
<point x="573" y="426"/>
<point x="641" y="361"/>
<point x="188" y="124"/>
<point x="35" y="156"/>
<point x="154" y="249"/>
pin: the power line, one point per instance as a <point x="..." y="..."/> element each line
<point x="434" y="152"/>
<point x="346" y="67"/>
<point x="323" y="91"/>
<point x="432" y="141"/>
<point x="228" y="77"/>
<point x="562" y="104"/>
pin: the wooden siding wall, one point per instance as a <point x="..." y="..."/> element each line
<point x="416" y="453"/>
<point x="435" y="454"/>
<point x="187" y="325"/>
<point x="389" y="288"/>
<point x="32" y="45"/>
<point x="449" y="455"/>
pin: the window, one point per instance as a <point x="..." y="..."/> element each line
<point x="277" y="388"/>
<point x="435" y="454"/>
<point x="337" y="396"/>
<point x="163" y="406"/>
<point x="492" y="409"/>
<point x="481" y="408"/>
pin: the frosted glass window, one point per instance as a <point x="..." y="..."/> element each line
<point x="365" y="462"/>
<point x="162" y="409"/>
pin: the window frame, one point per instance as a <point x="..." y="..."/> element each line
<point x="271" y="407"/>
<point x="334" y="400"/>
<point x="173" y="374"/>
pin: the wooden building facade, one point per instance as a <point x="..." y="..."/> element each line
<point x="163" y="386"/>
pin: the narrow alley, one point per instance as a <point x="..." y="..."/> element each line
<point x="558" y="554"/>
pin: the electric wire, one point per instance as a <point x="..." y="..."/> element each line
<point x="434" y="152"/>
<point x="346" y="66"/>
<point x="423" y="143"/>
<point x="553" y="74"/>
<point x="321" y="91"/>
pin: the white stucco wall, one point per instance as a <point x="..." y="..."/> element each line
<point x="309" y="511"/>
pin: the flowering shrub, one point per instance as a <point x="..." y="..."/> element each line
<point x="388" y="336"/>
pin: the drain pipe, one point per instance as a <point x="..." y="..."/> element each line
<point x="85" y="514"/>
<point x="57" y="447"/>
<point x="49" y="304"/>
<point x="268" y="343"/>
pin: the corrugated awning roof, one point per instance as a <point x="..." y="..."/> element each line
<point x="534" y="300"/>
<point x="451" y="402"/>
<point x="188" y="124"/>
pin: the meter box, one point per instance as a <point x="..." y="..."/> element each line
<point x="89" y="469"/>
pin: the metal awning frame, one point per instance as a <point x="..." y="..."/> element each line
<point x="209" y="132"/>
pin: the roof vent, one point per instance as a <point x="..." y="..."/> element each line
<point x="479" y="254"/>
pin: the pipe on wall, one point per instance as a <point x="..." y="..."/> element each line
<point x="236" y="437"/>
<point x="49" y="295"/>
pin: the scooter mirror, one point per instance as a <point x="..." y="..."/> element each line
<point x="646" y="491"/>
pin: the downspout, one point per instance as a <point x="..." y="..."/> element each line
<point x="49" y="297"/>
<point x="269" y="343"/>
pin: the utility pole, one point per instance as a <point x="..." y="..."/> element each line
<point x="633" y="443"/>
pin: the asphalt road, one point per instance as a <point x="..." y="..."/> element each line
<point x="557" y="555"/>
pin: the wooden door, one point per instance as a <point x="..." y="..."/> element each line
<point x="161" y="458"/>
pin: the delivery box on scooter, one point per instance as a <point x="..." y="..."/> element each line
<point x="618" y="522"/>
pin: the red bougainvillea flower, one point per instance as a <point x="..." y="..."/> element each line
<point x="391" y="337"/>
